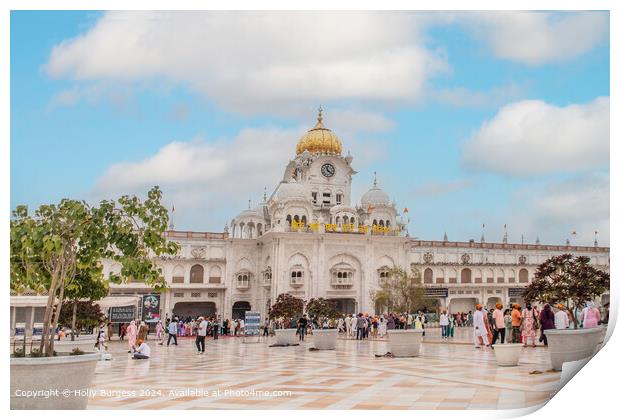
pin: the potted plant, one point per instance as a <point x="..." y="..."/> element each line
<point x="322" y="309"/>
<point x="53" y="250"/>
<point x="401" y="292"/>
<point x="286" y="308"/>
<point x="571" y="281"/>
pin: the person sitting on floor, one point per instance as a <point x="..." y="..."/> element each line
<point x="141" y="350"/>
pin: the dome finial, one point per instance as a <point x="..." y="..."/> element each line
<point x="265" y="195"/>
<point x="249" y="203"/>
<point x="374" y="184"/>
<point x="320" y="116"/>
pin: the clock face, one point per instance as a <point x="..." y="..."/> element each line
<point x="328" y="170"/>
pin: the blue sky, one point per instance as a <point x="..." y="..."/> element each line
<point x="468" y="118"/>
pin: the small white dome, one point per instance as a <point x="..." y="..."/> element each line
<point x="255" y="213"/>
<point x="292" y="190"/>
<point x="375" y="196"/>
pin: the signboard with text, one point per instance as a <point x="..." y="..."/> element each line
<point x="122" y="313"/>
<point x="435" y="292"/>
<point x="252" y="324"/>
<point x="515" y="292"/>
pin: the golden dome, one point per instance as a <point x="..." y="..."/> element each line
<point x="319" y="139"/>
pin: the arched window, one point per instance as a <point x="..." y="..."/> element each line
<point x="387" y="223"/>
<point x="353" y="220"/>
<point x="196" y="274"/>
<point x="243" y="280"/>
<point x="215" y="274"/>
<point x="428" y="276"/>
<point x="381" y="223"/>
<point x="178" y="274"/>
<point x="297" y="277"/>
<point x="466" y="275"/>
<point x="523" y="276"/>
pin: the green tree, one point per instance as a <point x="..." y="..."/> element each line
<point x="85" y="287"/>
<point x="321" y="309"/>
<point x="286" y="306"/>
<point x="567" y="279"/>
<point x="401" y="291"/>
<point x="63" y="244"/>
<point x="81" y="314"/>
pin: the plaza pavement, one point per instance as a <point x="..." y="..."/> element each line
<point x="235" y="375"/>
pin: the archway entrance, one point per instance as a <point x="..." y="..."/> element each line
<point x="492" y="301"/>
<point x="194" y="309"/>
<point x="239" y="308"/>
<point x="462" y="305"/>
<point x="345" y="306"/>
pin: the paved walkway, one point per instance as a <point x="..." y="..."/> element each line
<point x="234" y="375"/>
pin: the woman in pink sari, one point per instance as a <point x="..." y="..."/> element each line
<point x="528" y="329"/>
<point x="590" y="316"/>
<point x="132" y="333"/>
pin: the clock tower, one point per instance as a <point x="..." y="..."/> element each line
<point x="320" y="167"/>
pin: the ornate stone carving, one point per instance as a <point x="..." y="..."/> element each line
<point x="465" y="258"/>
<point x="428" y="257"/>
<point x="199" y="252"/>
<point x="522" y="259"/>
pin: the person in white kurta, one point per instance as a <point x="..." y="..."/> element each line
<point x="354" y="326"/>
<point x="480" y="330"/>
<point x="382" y="326"/>
<point x="347" y="324"/>
<point x="561" y="318"/>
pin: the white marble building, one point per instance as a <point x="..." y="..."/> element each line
<point x="310" y="239"/>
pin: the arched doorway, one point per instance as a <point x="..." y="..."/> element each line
<point x="345" y="306"/>
<point x="462" y="305"/>
<point x="492" y="301"/>
<point x="239" y="308"/>
<point x="194" y="309"/>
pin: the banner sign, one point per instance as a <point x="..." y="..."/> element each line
<point x="515" y="292"/>
<point x="435" y="292"/>
<point x="252" y="324"/>
<point x="122" y="313"/>
<point x="150" y="308"/>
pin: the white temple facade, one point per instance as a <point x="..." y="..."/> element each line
<point x="310" y="238"/>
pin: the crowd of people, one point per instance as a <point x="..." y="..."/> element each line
<point x="528" y="325"/>
<point x="490" y="325"/>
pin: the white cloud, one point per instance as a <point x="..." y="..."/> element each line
<point x="536" y="38"/>
<point x="257" y="61"/>
<point x="532" y="137"/>
<point x="210" y="181"/>
<point x="554" y="211"/>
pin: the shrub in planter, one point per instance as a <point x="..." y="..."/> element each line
<point x="287" y="307"/>
<point x="571" y="281"/>
<point x="322" y="309"/>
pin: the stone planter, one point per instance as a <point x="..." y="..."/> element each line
<point x="325" y="339"/>
<point x="569" y="345"/>
<point x="507" y="354"/>
<point x="286" y="337"/>
<point x="404" y="343"/>
<point x="84" y="343"/>
<point x="71" y="373"/>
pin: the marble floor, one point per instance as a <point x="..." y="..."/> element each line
<point x="238" y="375"/>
